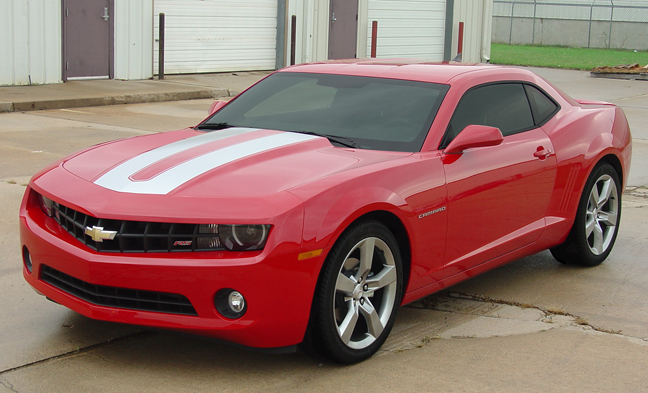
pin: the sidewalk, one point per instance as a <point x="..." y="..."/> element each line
<point x="110" y="92"/>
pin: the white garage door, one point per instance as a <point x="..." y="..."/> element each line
<point x="217" y="35"/>
<point x="408" y="28"/>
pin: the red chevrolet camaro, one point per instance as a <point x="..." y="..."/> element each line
<point x="308" y="209"/>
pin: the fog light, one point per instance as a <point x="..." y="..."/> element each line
<point x="236" y="301"/>
<point x="27" y="259"/>
<point x="230" y="303"/>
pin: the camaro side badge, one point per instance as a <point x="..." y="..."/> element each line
<point x="99" y="235"/>
<point x="431" y="212"/>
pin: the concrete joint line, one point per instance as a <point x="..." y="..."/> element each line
<point x="76" y="352"/>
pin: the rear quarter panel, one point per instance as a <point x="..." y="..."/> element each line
<point x="582" y="136"/>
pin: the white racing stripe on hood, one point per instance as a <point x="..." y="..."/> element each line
<point x="118" y="178"/>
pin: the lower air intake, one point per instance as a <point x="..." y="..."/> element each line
<point x="132" y="299"/>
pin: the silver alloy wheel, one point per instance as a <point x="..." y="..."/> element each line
<point x="602" y="214"/>
<point x="365" y="287"/>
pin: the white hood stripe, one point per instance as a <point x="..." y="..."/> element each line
<point x="118" y="178"/>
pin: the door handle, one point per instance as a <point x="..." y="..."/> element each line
<point x="105" y="15"/>
<point x="542" y="153"/>
<point x="333" y="19"/>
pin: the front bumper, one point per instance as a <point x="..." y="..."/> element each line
<point x="277" y="287"/>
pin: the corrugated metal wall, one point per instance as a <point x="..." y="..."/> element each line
<point x="133" y="39"/>
<point x="408" y="28"/>
<point x="217" y="35"/>
<point x="30" y="43"/>
<point x="477" y="16"/>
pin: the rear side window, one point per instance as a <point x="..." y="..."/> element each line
<point x="503" y="105"/>
<point x="542" y="106"/>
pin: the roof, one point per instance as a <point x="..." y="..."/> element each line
<point x="407" y="69"/>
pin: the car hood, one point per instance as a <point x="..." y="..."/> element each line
<point x="230" y="163"/>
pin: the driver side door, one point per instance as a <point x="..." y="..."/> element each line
<point x="498" y="195"/>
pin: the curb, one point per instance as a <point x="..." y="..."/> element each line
<point x="113" y="100"/>
<point x="617" y="75"/>
<point x="6" y="107"/>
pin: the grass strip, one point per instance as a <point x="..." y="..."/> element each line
<point x="563" y="57"/>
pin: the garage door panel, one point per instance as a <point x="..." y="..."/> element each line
<point x="215" y="8"/>
<point x="408" y="28"/>
<point x="216" y="44"/>
<point x="218" y="25"/>
<point x="218" y="36"/>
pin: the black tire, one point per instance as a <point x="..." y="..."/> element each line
<point x="356" y="304"/>
<point x="596" y="226"/>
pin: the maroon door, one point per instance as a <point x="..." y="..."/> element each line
<point x="343" y="29"/>
<point x="87" y="38"/>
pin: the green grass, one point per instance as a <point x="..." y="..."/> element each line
<point x="563" y="57"/>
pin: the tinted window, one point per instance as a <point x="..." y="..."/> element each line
<point x="376" y="113"/>
<point x="504" y="106"/>
<point x="543" y="107"/>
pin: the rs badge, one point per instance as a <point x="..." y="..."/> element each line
<point x="99" y="235"/>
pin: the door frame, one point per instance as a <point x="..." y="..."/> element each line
<point x="111" y="40"/>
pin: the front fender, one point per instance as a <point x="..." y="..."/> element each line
<point x="322" y="228"/>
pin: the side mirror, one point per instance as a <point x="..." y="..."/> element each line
<point x="474" y="136"/>
<point x="215" y="106"/>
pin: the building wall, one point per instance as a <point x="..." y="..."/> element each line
<point x="312" y="30"/>
<point x="477" y="16"/>
<point x="406" y="28"/>
<point x="133" y="39"/>
<point x="30" y="47"/>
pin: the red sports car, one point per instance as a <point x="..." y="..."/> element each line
<point x="308" y="209"/>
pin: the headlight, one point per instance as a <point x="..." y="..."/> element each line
<point x="47" y="205"/>
<point x="243" y="237"/>
<point x="233" y="237"/>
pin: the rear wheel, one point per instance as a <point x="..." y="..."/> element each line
<point x="359" y="293"/>
<point x="597" y="221"/>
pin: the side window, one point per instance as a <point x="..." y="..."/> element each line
<point x="503" y="105"/>
<point x="541" y="105"/>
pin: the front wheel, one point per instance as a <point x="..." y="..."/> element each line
<point x="597" y="220"/>
<point x="359" y="293"/>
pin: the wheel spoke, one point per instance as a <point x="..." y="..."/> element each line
<point x="374" y="324"/>
<point x="345" y="284"/>
<point x="604" y="195"/>
<point x="590" y="225"/>
<point x="366" y="257"/>
<point x="597" y="243"/>
<point x="345" y="329"/>
<point x="594" y="199"/>
<point x="386" y="276"/>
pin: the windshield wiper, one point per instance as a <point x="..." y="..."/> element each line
<point x="341" y="140"/>
<point x="214" y="126"/>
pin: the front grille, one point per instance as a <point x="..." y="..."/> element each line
<point x="137" y="236"/>
<point x="132" y="299"/>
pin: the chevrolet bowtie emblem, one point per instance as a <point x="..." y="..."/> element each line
<point x="99" y="235"/>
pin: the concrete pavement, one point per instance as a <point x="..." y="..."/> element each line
<point x="531" y="326"/>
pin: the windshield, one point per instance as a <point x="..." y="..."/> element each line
<point x="362" y="112"/>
